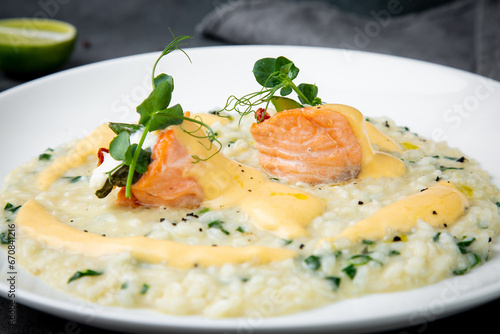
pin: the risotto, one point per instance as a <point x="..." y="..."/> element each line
<point x="302" y="206"/>
<point x="250" y="267"/>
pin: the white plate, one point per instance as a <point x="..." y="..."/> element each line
<point x="434" y="101"/>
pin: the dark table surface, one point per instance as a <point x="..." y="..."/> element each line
<point x="110" y="29"/>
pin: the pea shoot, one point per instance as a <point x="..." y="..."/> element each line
<point x="275" y="75"/>
<point x="155" y="114"/>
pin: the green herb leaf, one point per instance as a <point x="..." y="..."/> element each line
<point x="394" y="252"/>
<point x="359" y="260"/>
<point x="436" y="237"/>
<point x="350" y="271"/>
<point x="106" y="189"/>
<point x="287" y="90"/>
<point x="335" y="282"/>
<point x="460" y="271"/>
<point x="309" y="91"/>
<point x="11" y="208"/>
<point x="166" y="117"/>
<point x="124" y="285"/>
<point x="72" y="179"/>
<point x="44" y="156"/>
<point x="88" y="272"/>
<point x="240" y="229"/>
<point x="158" y="99"/>
<point x="443" y="168"/>
<point x="124" y="127"/>
<point x="5" y="238"/>
<point x="119" y="176"/>
<point x="203" y="211"/>
<point x="463" y="245"/>
<point x="286" y="67"/>
<point x="144" y="288"/>
<point x="218" y="225"/>
<point x="264" y="72"/>
<point x="119" y="146"/>
<point x="164" y="78"/>
<point x="143" y="159"/>
<point x="313" y="262"/>
<point x="477" y="260"/>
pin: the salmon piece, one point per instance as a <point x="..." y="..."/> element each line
<point x="165" y="183"/>
<point x="313" y="145"/>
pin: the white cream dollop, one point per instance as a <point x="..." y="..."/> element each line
<point x="100" y="174"/>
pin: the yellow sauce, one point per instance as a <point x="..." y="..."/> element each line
<point x="373" y="164"/>
<point x="37" y="223"/>
<point x="271" y="206"/>
<point x="100" y="137"/>
<point x="438" y="205"/>
<point x="381" y="140"/>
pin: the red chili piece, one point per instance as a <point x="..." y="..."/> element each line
<point x="261" y="115"/>
<point x="100" y="155"/>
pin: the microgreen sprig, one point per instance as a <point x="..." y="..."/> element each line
<point x="274" y="75"/>
<point x="155" y="114"/>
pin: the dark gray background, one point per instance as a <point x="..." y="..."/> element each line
<point x="463" y="34"/>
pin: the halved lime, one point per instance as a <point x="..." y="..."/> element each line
<point x="31" y="46"/>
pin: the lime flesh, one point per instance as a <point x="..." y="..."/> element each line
<point x="31" y="46"/>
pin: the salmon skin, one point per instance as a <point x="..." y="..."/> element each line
<point x="313" y="145"/>
<point x="165" y="183"/>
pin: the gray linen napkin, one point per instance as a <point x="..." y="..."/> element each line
<point x="464" y="34"/>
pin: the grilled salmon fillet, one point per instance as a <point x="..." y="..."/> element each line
<point x="313" y="145"/>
